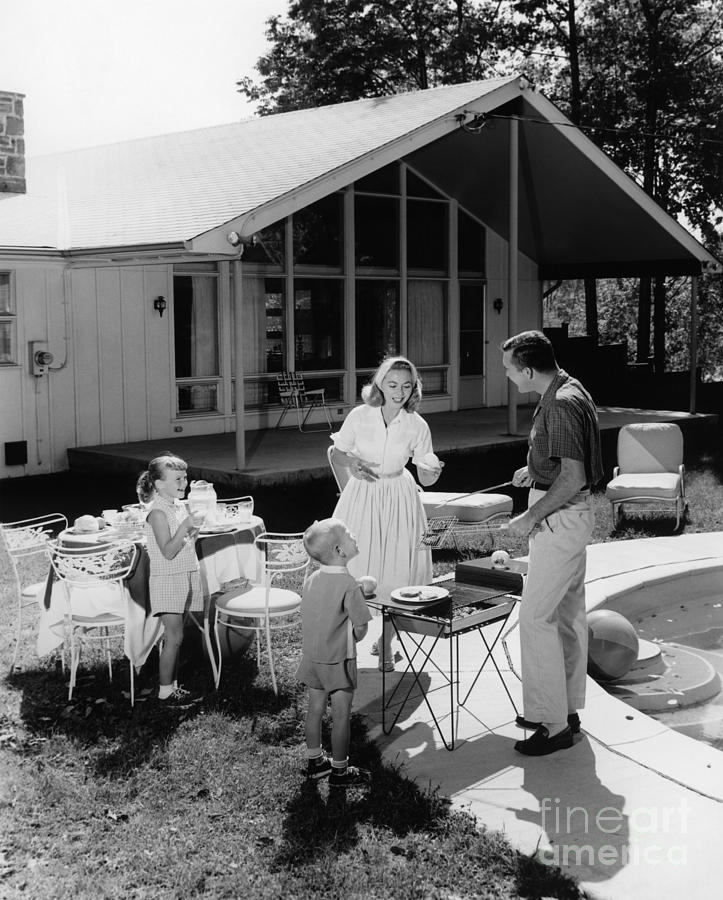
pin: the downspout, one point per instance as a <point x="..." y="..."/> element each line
<point x="513" y="263"/>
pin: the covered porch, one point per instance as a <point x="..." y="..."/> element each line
<point x="474" y="443"/>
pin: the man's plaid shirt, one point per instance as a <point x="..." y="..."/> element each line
<point x="564" y="425"/>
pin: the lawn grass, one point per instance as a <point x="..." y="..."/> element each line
<point x="98" y="800"/>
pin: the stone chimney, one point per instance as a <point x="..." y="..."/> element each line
<point x="12" y="143"/>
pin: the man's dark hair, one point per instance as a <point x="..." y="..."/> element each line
<point x="531" y="350"/>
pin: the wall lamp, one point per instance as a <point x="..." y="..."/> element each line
<point x="159" y="304"/>
<point x="498" y="305"/>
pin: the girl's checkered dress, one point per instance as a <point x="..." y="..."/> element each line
<point x="175" y="584"/>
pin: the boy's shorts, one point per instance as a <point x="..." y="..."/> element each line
<point x="338" y="676"/>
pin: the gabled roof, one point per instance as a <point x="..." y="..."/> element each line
<point x="170" y="188"/>
<point x="579" y="214"/>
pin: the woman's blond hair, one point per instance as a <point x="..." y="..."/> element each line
<point x="372" y="393"/>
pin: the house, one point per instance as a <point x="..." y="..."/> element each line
<point x="155" y="287"/>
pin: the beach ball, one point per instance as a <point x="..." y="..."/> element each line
<point x="612" y="645"/>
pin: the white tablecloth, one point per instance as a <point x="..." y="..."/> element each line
<point x="232" y="561"/>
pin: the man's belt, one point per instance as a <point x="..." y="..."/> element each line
<point x="539" y="486"/>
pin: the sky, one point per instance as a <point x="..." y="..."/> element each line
<point x="101" y="71"/>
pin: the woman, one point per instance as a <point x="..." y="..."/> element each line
<point x="380" y="503"/>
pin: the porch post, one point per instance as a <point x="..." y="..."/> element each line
<point x="239" y="366"/>
<point x="513" y="263"/>
<point x="693" y="339"/>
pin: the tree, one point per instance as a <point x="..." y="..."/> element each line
<point x="330" y="51"/>
<point x="644" y="78"/>
<point x="657" y="104"/>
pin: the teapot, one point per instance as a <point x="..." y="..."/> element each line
<point x="202" y="498"/>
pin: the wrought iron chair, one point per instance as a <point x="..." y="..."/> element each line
<point x="294" y="395"/>
<point x="95" y="569"/>
<point x="650" y="470"/>
<point x="24" y="539"/>
<point x="264" y="604"/>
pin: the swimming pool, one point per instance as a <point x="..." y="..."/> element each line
<point x="682" y="613"/>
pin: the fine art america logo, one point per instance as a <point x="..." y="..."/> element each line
<point x="613" y="837"/>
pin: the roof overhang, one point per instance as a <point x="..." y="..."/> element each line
<point x="580" y="215"/>
<point x="215" y="240"/>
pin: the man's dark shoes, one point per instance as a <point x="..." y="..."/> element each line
<point x="573" y="720"/>
<point x="540" y="744"/>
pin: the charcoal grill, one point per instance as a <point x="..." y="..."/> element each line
<point x="481" y="599"/>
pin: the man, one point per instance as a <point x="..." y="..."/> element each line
<point x="563" y="462"/>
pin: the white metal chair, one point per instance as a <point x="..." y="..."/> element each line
<point x="450" y="514"/>
<point x="294" y="395"/>
<point x="23" y="539"/>
<point x="650" y="470"/>
<point x="265" y="603"/>
<point x="93" y="571"/>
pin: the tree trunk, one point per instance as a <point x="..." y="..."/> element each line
<point x="574" y="57"/>
<point x="659" y="325"/>
<point x="643" y="349"/>
<point x="591" y="325"/>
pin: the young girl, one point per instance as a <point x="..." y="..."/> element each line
<point x="175" y="581"/>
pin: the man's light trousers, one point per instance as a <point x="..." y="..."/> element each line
<point x="553" y="624"/>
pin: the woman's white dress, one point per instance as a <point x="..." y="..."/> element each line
<point x="386" y="514"/>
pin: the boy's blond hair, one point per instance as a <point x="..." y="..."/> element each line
<point x="321" y="538"/>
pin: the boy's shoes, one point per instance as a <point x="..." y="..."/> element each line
<point x="319" y="767"/>
<point x="179" y="698"/>
<point x="573" y="720"/>
<point x="348" y="777"/>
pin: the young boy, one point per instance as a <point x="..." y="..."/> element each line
<point x="334" y="617"/>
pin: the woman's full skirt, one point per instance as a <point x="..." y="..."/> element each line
<point x="388" y="520"/>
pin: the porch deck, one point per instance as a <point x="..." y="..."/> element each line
<point x="286" y="456"/>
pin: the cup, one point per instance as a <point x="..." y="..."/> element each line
<point x="245" y="509"/>
<point x="368" y="585"/>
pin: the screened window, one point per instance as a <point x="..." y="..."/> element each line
<point x="8" y="321"/>
<point x="427" y="322"/>
<point x="377" y="321"/>
<point x="383" y="181"/>
<point x="264" y="325"/>
<point x="318" y="233"/>
<point x="427" y="235"/>
<point x="376" y="232"/>
<point x="268" y="247"/>
<point x="318" y="323"/>
<point x="196" y="346"/>
<point x="471" y="329"/>
<point x="471" y="245"/>
<point x="418" y="187"/>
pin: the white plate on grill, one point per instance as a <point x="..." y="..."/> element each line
<point x="216" y="529"/>
<point x="415" y="594"/>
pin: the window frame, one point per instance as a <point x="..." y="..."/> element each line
<point x="11" y="318"/>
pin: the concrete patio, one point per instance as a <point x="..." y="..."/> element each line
<point x="633" y="809"/>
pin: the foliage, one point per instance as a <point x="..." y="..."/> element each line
<point x="331" y="51"/>
<point x="644" y="78"/>
<point x="617" y="318"/>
